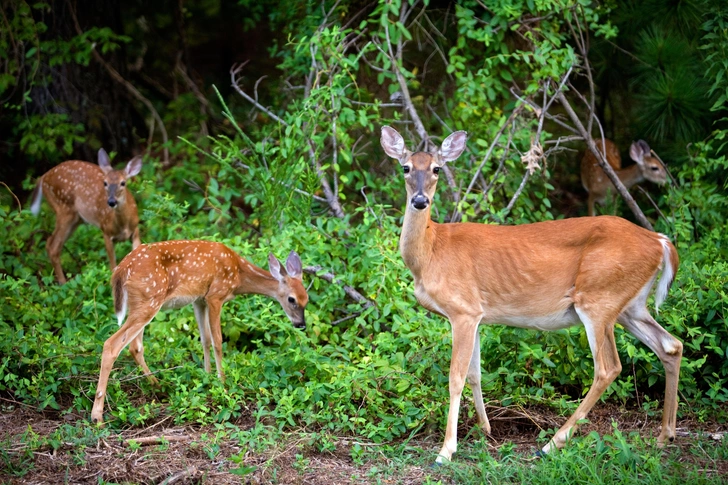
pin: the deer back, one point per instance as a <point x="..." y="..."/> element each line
<point x="592" y="175"/>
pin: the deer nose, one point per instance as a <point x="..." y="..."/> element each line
<point x="420" y="202"/>
<point x="112" y="203"/>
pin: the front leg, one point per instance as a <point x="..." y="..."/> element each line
<point x="464" y="329"/>
<point x="214" y="306"/>
<point x="110" y="251"/>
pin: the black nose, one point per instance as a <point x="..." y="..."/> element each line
<point x="420" y="202"/>
<point x="112" y="202"/>
<point x="300" y="324"/>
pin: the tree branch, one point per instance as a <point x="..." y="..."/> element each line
<point x="331" y="278"/>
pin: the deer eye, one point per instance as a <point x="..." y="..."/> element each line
<point x="655" y="169"/>
<point x="106" y="184"/>
<point x="436" y="170"/>
<point x="291" y="299"/>
<point x="123" y="183"/>
<point x="406" y="169"/>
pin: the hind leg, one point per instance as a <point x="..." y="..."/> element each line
<point x="599" y="328"/>
<point x="474" y="381"/>
<point x="65" y="225"/>
<point x="137" y="351"/>
<point x="132" y="328"/>
<point x="202" y="316"/>
<point x="640" y="323"/>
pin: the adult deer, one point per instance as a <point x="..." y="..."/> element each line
<point x="596" y="182"/>
<point x="173" y="274"/>
<point x="83" y="192"/>
<point x="548" y="275"/>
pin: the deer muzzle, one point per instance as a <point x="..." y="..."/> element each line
<point x="420" y="201"/>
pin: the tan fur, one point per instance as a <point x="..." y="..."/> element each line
<point x="592" y="271"/>
<point x="76" y="193"/>
<point x="598" y="185"/>
<point x="172" y="274"/>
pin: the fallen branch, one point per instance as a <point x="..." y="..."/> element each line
<point x="188" y="472"/>
<point x="331" y="278"/>
<point x="154" y="440"/>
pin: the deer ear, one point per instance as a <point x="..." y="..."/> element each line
<point x="637" y="151"/>
<point x="134" y="166"/>
<point x="294" y="268"/>
<point x="393" y="144"/>
<point x="274" y="266"/>
<point x="104" y="162"/>
<point x="452" y="147"/>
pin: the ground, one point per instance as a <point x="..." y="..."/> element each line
<point x="160" y="453"/>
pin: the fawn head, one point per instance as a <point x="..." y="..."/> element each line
<point x="291" y="294"/>
<point x="115" y="180"/>
<point x="651" y="167"/>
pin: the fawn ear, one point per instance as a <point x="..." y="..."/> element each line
<point x="638" y="150"/>
<point x="294" y="268"/>
<point x="452" y="147"/>
<point x="393" y="144"/>
<point x="134" y="166"/>
<point x="104" y="162"/>
<point x="276" y="270"/>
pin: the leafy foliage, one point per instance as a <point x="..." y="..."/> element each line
<point x="274" y="184"/>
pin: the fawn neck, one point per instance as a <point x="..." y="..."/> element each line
<point x="631" y="175"/>
<point x="255" y="280"/>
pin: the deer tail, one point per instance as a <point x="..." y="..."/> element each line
<point x="36" y="197"/>
<point x="120" y="296"/>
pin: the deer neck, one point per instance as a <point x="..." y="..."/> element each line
<point x="415" y="242"/>
<point x="631" y="175"/>
<point x="253" y="279"/>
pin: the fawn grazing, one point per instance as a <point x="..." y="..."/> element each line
<point x="596" y="182"/>
<point x="173" y="274"/>
<point x="590" y="271"/>
<point x="83" y="192"/>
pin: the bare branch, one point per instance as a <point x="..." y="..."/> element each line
<point x="332" y="278"/>
<point x="234" y="71"/>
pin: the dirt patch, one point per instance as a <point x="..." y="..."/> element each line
<point x="186" y="455"/>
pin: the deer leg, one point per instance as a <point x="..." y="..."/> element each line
<point x="137" y="351"/>
<point x="112" y="347"/>
<point x="203" y="324"/>
<point x="65" y="225"/>
<point x="135" y="240"/>
<point x="590" y="203"/>
<point x="669" y="349"/>
<point x="474" y="380"/>
<point x="110" y="251"/>
<point x="213" y="311"/>
<point x="464" y="329"/>
<point x="600" y="333"/>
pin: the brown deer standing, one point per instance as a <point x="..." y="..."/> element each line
<point x="173" y="274"/>
<point x="590" y="271"/>
<point x="596" y="182"/>
<point x="83" y="192"/>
